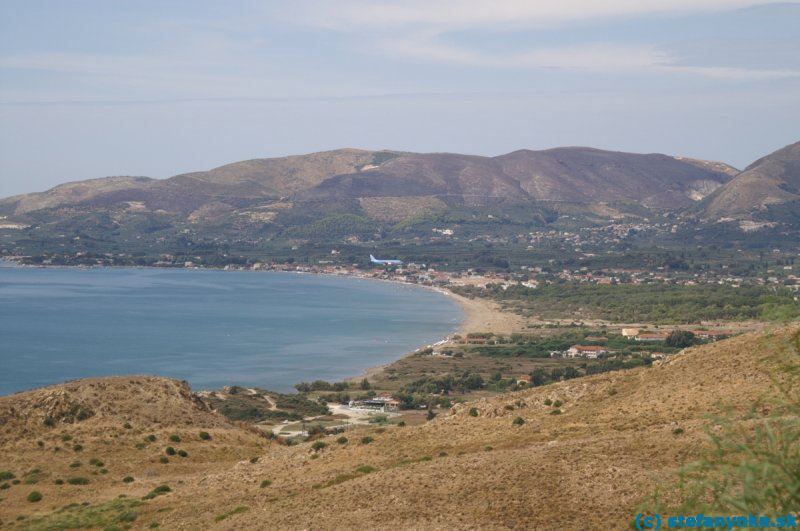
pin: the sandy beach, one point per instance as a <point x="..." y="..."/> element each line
<point x="483" y="315"/>
<point x="480" y="315"/>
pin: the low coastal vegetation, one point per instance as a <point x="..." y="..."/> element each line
<point x="257" y="405"/>
<point x="654" y="303"/>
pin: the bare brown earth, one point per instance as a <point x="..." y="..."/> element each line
<point x="588" y="467"/>
<point x="769" y="181"/>
<point x="107" y="418"/>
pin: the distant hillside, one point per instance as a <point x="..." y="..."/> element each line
<point x="765" y="190"/>
<point x="575" y="175"/>
<point x="438" y="180"/>
<point x="350" y="196"/>
<point x="236" y="184"/>
<point x="583" y="454"/>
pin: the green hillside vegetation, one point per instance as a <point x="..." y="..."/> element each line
<point x="241" y="404"/>
<point x="655" y="303"/>
<point x="540" y="346"/>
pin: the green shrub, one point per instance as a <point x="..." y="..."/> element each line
<point x="66" y="437"/>
<point x="677" y="431"/>
<point x="473" y="412"/>
<point x="557" y="403"/>
<point x="265" y="483"/>
<point x="518" y="421"/>
<point x="183" y="453"/>
<point x="34" y="496"/>
<point x="237" y="510"/>
<point x="163" y="460"/>
<point x="366" y="469"/>
<point x="5" y="475"/>
<point x="548" y="402"/>
<point x="366" y="440"/>
<point x="75" y="464"/>
<point x="205" y="436"/>
<point x="127" y="517"/>
<point x="318" y="445"/>
<point x="59" y="481"/>
<point x="110" y="515"/>
<point x="253" y="460"/>
<point x="401" y="424"/>
<point x="5" y="486"/>
<point x="174" y="438"/>
<point x="342" y="440"/>
<point x="150" y="438"/>
<point x="96" y="462"/>
<point x="555" y="412"/>
<point x="751" y="468"/>
<point x="680" y="339"/>
<point x="77" y="447"/>
<point x="127" y="426"/>
<point x="78" y="481"/>
<point x="158" y="491"/>
<point x="169" y="450"/>
<point x="127" y="479"/>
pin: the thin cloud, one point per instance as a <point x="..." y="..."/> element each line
<point x="416" y="30"/>
<point x="355" y="15"/>
<point x="590" y="57"/>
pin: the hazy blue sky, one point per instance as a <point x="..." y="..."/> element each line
<point x="91" y="88"/>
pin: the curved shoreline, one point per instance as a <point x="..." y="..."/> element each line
<point x="474" y="313"/>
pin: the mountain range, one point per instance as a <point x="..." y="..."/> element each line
<point x="580" y="175"/>
<point x="334" y="194"/>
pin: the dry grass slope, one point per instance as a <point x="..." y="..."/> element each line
<point x="615" y="439"/>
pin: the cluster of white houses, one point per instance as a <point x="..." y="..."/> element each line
<point x="384" y="402"/>
<point x="644" y="335"/>
<point x="585" y="351"/>
<point x="598" y="351"/>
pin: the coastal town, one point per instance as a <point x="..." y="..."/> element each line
<point x="783" y="271"/>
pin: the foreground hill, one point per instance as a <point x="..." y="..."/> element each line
<point x="768" y="188"/>
<point x="615" y="438"/>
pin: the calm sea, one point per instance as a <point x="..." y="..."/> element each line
<point x="212" y="328"/>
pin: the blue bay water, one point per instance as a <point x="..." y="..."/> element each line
<point x="212" y="328"/>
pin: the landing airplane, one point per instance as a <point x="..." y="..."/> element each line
<point x="385" y="262"/>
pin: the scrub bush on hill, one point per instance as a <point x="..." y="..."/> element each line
<point x="468" y="381"/>
<point x="254" y="408"/>
<point x="752" y="468"/>
<point x="557" y="374"/>
<point x="322" y="385"/>
<point x="680" y="339"/>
